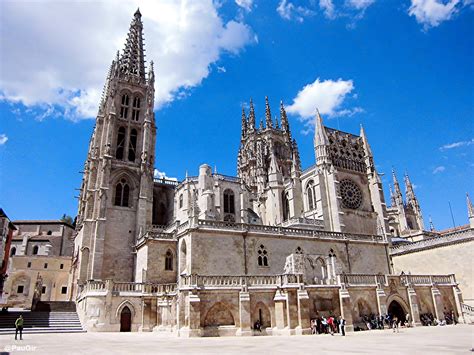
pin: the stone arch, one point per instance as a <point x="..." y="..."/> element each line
<point x="315" y="270"/>
<point x="218" y="315"/>
<point x="400" y="300"/>
<point x="363" y="308"/>
<point x="132" y="181"/>
<point x="183" y="256"/>
<point x="262" y="313"/>
<point x="121" y="306"/>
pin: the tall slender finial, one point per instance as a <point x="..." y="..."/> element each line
<point x="251" y="124"/>
<point x="470" y="208"/>
<point x="268" y="115"/>
<point x="244" y="123"/>
<point x="432" y="227"/>
<point x="132" y="61"/>
<point x="365" y="141"/>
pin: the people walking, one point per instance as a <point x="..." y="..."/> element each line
<point x="342" y="325"/>
<point x="19" y="327"/>
<point x="395" y="324"/>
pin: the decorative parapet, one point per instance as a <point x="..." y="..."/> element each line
<point x="101" y="288"/>
<point x="283" y="231"/>
<point x="460" y="236"/>
<point x="363" y="280"/>
<point x="314" y="223"/>
<point x="428" y="280"/>
<point x="166" y="181"/>
<point x="240" y="282"/>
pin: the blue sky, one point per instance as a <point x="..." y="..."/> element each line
<point x="404" y="69"/>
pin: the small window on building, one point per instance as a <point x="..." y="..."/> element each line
<point x="20" y="289"/>
<point x="262" y="256"/>
<point x="181" y="201"/>
<point x="45" y="265"/>
<point x="136" y="109"/>
<point x="43" y="290"/>
<point x="49" y="233"/>
<point x="286" y="205"/>
<point x="229" y="205"/>
<point x="35" y="250"/>
<point x="61" y="266"/>
<point x="132" y="145"/>
<point x="29" y="264"/>
<point x="120" y="143"/>
<point x="169" y="261"/>
<point x="122" y="191"/>
<point x="310" y="195"/>
<point x="13" y="251"/>
<point x="124" y="106"/>
<point x="299" y="251"/>
<point x="63" y="290"/>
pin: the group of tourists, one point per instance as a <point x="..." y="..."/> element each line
<point x="428" y="319"/>
<point x="328" y="325"/>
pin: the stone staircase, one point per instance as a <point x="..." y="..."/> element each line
<point x="51" y="317"/>
<point x="468" y="313"/>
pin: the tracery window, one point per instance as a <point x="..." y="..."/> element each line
<point x="310" y="195"/>
<point x="124" y="106"/>
<point x="169" y="261"/>
<point x="136" y="108"/>
<point x="120" y="143"/>
<point x="286" y="206"/>
<point x="122" y="193"/>
<point x="351" y="194"/>
<point x="132" y="146"/>
<point x="229" y="203"/>
<point x="262" y="256"/>
<point x="299" y="250"/>
<point x="181" y="201"/>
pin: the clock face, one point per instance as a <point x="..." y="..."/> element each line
<point x="351" y="194"/>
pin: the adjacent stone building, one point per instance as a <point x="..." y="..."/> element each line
<point x="40" y="259"/>
<point x="212" y="254"/>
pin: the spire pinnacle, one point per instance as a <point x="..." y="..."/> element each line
<point x="367" y="149"/>
<point x="268" y="115"/>
<point x="244" y="123"/>
<point x="320" y="136"/>
<point x="284" y="120"/>
<point x="432" y="228"/>
<point x="470" y="208"/>
<point x="251" y="124"/>
<point x="132" y="60"/>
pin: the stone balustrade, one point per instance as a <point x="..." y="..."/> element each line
<point x="454" y="237"/>
<point x="316" y="223"/>
<point x="428" y="280"/>
<point x="239" y="281"/>
<point x="139" y="288"/>
<point x="363" y="279"/>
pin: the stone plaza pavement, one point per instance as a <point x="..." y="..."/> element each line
<point x="420" y="340"/>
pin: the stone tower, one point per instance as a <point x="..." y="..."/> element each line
<point x="116" y="198"/>
<point x="350" y="187"/>
<point x="268" y="160"/>
<point x="470" y="211"/>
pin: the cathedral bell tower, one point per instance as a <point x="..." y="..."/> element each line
<point x="116" y="198"/>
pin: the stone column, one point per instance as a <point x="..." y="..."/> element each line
<point x="291" y="310"/>
<point x="458" y="300"/>
<point x="245" y="315"/>
<point x="304" y="322"/>
<point x="381" y="301"/>
<point x="437" y="302"/>
<point x="146" y="309"/>
<point x="414" y="308"/>
<point x="280" y="302"/>
<point x="346" y="308"/>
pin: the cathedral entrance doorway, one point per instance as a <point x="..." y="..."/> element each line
<point x="125" y="320"/>
<point x="395" y="309"/>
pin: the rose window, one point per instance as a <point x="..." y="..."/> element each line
<point x="351" y="194"/>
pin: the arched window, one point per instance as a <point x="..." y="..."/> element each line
<point x="229" y="205"/>
<point x="13" y="251"/>
<point x="169" y="261"/>
<point x="136" y="108"/>
<point x="124" y="106"/>
<point x="286" y="206"/>
<point x="122" y="192"/>
<point x="35" y="250"/>
<point x="310" y="195"/>
<point x="49" y="233"/>
<point x="181" y="201"/>
<point x="120" y="143"/>
<point x="132" y="146"/>
<point x="262" y="256"/>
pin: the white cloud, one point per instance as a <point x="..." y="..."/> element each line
<point x="245" y="4"/>
<point x="290" y="11"/>
<point x="430" y="13"/>
<point x="359" y="4"/>
<point x="328" y="8"/>
<point x="162" y="175"/>
<point x="56" y="53"/>
<point x="3" y="138"/>
<point x="439" y="169"/>
<point x="327" y="96"/>
<point x="456" y="145"/>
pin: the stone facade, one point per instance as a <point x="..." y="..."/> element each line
<point x="212" y="254"/>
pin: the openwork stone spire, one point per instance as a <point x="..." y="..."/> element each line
<point x="132" y="60"/>
<point x="268" y="114"/>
